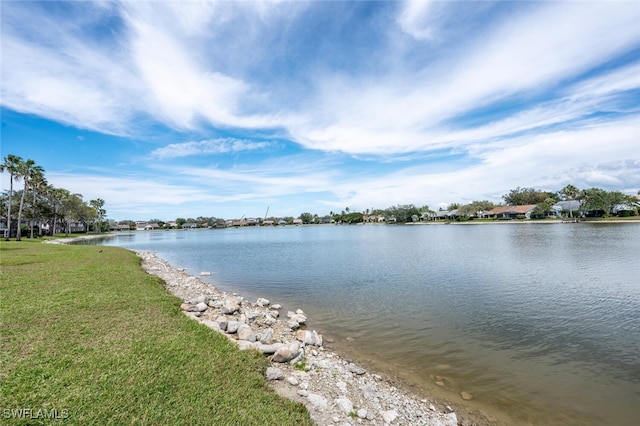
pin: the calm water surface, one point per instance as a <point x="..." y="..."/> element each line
<point x="541" y="323"/>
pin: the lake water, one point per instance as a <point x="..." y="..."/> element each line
<point x="539" y="322"/>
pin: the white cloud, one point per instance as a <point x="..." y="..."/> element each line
<point x="416" y="18"/>
<point x="209" y="146"/>
<point x="525" y="56"/>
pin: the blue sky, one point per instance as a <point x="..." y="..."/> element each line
<point x="185" y="109"/>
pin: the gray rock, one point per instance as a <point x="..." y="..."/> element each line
<point x="269" y="349"/>
<point x="344" y="405"/>
<point x="287" y="353"/>
<point x="274" y="373"/>
<point x="188" y="307"/>
<point x="342" y="386"/>
<point x="222" y="320"/>
<point x="325" y="363"/>
<point x="309" y="337"/>
<point x="293" y="324"/>
<point x="202" y="299"/>
<point x="267" y="336"/>
<point x="201" y="307"/>
<point x="212" y="325"/>
<point x="389" y="416"/>
<point x="232" y="326"/>
<point x="230" y="306"/>
<point x="356" y="369"/>
<point x="246" y="333"/>
<point x="362" y="413"/>
<point x="369" y="392"/>
<point x="262" y="302"/>
<point x="276" y="306"/>
<point x="244" y="345"/>
<point x="269" y="320"/>
<point x="292" y="381"/>
<point x="303" y="392"/>
<point x="318" y="401"/>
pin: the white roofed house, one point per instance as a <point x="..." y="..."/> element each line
<point x="565" y="208"/>
<point x="146" y="226"/>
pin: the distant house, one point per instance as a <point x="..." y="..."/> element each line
<point x="4" y="231"/>
<point x="618" y="209"/>
<point x="268" y="222"/>
<point x="146" y="226"/>
<point x="76" y="227"/>
<point x="190" y="225"/>
<point x="444" y="215"/>
<point x="562" y="208"/>
<point x="297" y="221"/>
<point x="511" y="212"/>
<point x="117" y="227"/>
<point x="428" y="216"/>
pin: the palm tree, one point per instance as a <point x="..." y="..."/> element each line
<point x="38" y="185"/>
<point x="26" y="170"/>
<point x="11" y="163"/>
<point x="569" y="193"/>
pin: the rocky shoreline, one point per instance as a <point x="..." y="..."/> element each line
<point x="334" y="390"/>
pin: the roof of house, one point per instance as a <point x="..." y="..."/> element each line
<point x="511" y="209"/>
<point x="566" y="205"/>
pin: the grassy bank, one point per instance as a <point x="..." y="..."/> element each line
<point x="87" y="336"/>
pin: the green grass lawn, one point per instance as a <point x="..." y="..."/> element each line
<point x="87" y="335"/>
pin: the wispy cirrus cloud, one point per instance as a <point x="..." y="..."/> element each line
<point x="208" y="147"/>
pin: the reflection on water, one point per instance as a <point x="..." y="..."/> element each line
<point x="538" y="321"/>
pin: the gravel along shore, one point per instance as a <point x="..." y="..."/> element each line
<point x="334" y="390"/>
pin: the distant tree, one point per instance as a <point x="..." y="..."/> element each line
<point x="98" y="205"/>
<point x="402" y="212"/>
<point x="306" y="217"/>
<point x="596" y="199"/>
<point x="354" y="217"/>
<point x="453" y="206"/>
<point x="544" y="208"/>
<point x="523" y="196"/>
<point x="180" y="221"/>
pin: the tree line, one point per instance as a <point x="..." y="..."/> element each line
<point x="38" y="202"/>
<point x="597" y="200"/>
<point x="594" y="201"/>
